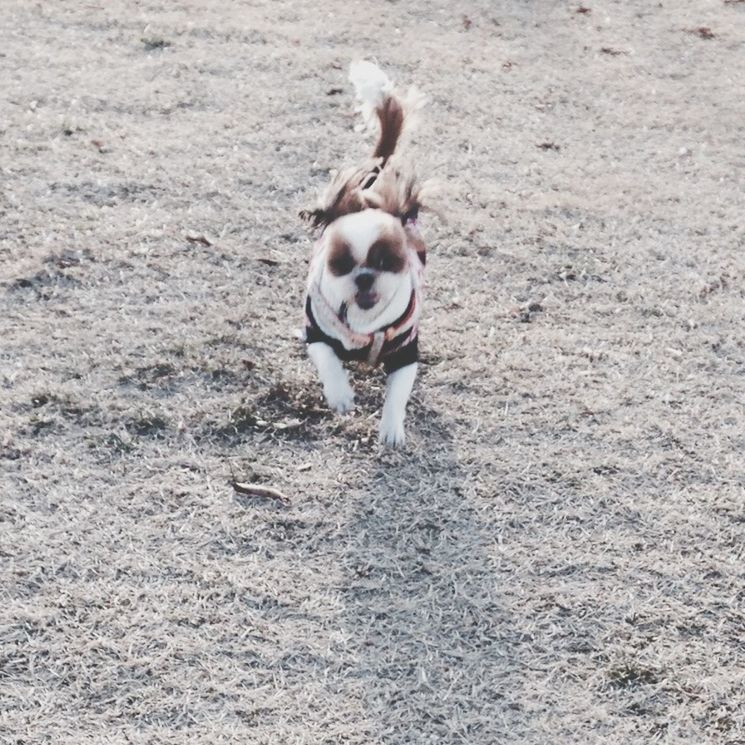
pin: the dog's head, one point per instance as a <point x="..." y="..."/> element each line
<point x="366" y="262"/>
<point x="364" y="243"/>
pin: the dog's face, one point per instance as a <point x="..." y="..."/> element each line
<point x="366" y="264"/>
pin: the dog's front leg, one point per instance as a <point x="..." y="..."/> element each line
<point x="336" y="388"/>
<point x="398" y="390"/>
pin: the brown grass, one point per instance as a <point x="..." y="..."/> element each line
<point x="558" y="555"/>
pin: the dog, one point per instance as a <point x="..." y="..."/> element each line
<point x="366" y="278"/>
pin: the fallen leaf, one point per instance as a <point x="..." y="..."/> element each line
<point x="152" y="43"/>
<point x="703" y="31"/>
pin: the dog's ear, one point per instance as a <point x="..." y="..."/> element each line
<point x="342" y="196"/>
<point x="315" y="218"/>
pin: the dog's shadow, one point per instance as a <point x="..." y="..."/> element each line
<point x="422" y="608"/>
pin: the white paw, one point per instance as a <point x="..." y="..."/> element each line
<point x="392" y="432"/>
<point x="340" y="397"/>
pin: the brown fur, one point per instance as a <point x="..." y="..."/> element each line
<point x="395" y="192"/>
<point x="391" y="117"/>
<point x="377" y="184"/>
<point x="387" y="253"/>
<point x="340" y="260"/>
<point x="342" y="197"/>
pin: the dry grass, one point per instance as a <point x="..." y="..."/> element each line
<point x="556" y="558"/>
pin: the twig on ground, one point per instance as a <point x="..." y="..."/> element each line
<point x="198" y="239"/>
<point x="259" y="490"/>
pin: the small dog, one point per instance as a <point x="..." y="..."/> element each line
<point x="366" y="277"/>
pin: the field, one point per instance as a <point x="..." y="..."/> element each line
<point x="557" y="555"/>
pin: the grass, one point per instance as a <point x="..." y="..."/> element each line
<point x="557" y="554"/>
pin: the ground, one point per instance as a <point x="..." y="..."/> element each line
<point x="557" y="554"/>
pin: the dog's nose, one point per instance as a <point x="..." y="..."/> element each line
<point x="364" y="281"/>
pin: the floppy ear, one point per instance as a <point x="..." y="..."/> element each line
<point x="316" y="217"/>
<point x="341" y="197"/>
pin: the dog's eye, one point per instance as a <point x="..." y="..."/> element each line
<point x="382" y="262"/>
<point x="383" y="258"/>
<point x="341" y="263"/>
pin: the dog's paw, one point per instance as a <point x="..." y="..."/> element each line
<point x="392" y="433"/>
<point x="340" y="397"/>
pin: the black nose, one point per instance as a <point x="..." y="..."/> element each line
<point x="364" y="281"/>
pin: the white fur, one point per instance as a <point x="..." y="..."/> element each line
<point x="336" y="388"/>
<point x="398" y="390"/>
<point x="360" y="230"/>
<point x="371" y="84"/>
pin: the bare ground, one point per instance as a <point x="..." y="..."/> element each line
<point x="557" y="556"/>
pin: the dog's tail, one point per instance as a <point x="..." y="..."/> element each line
<point x="375" y="92"/>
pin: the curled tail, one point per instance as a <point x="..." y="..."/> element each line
<point x="380" y="185"/>
<point x="375" y="91"/>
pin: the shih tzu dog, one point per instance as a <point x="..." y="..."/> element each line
<point x="366" y="278"/>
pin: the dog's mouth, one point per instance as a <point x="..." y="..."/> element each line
<point x="366" y="299"/>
